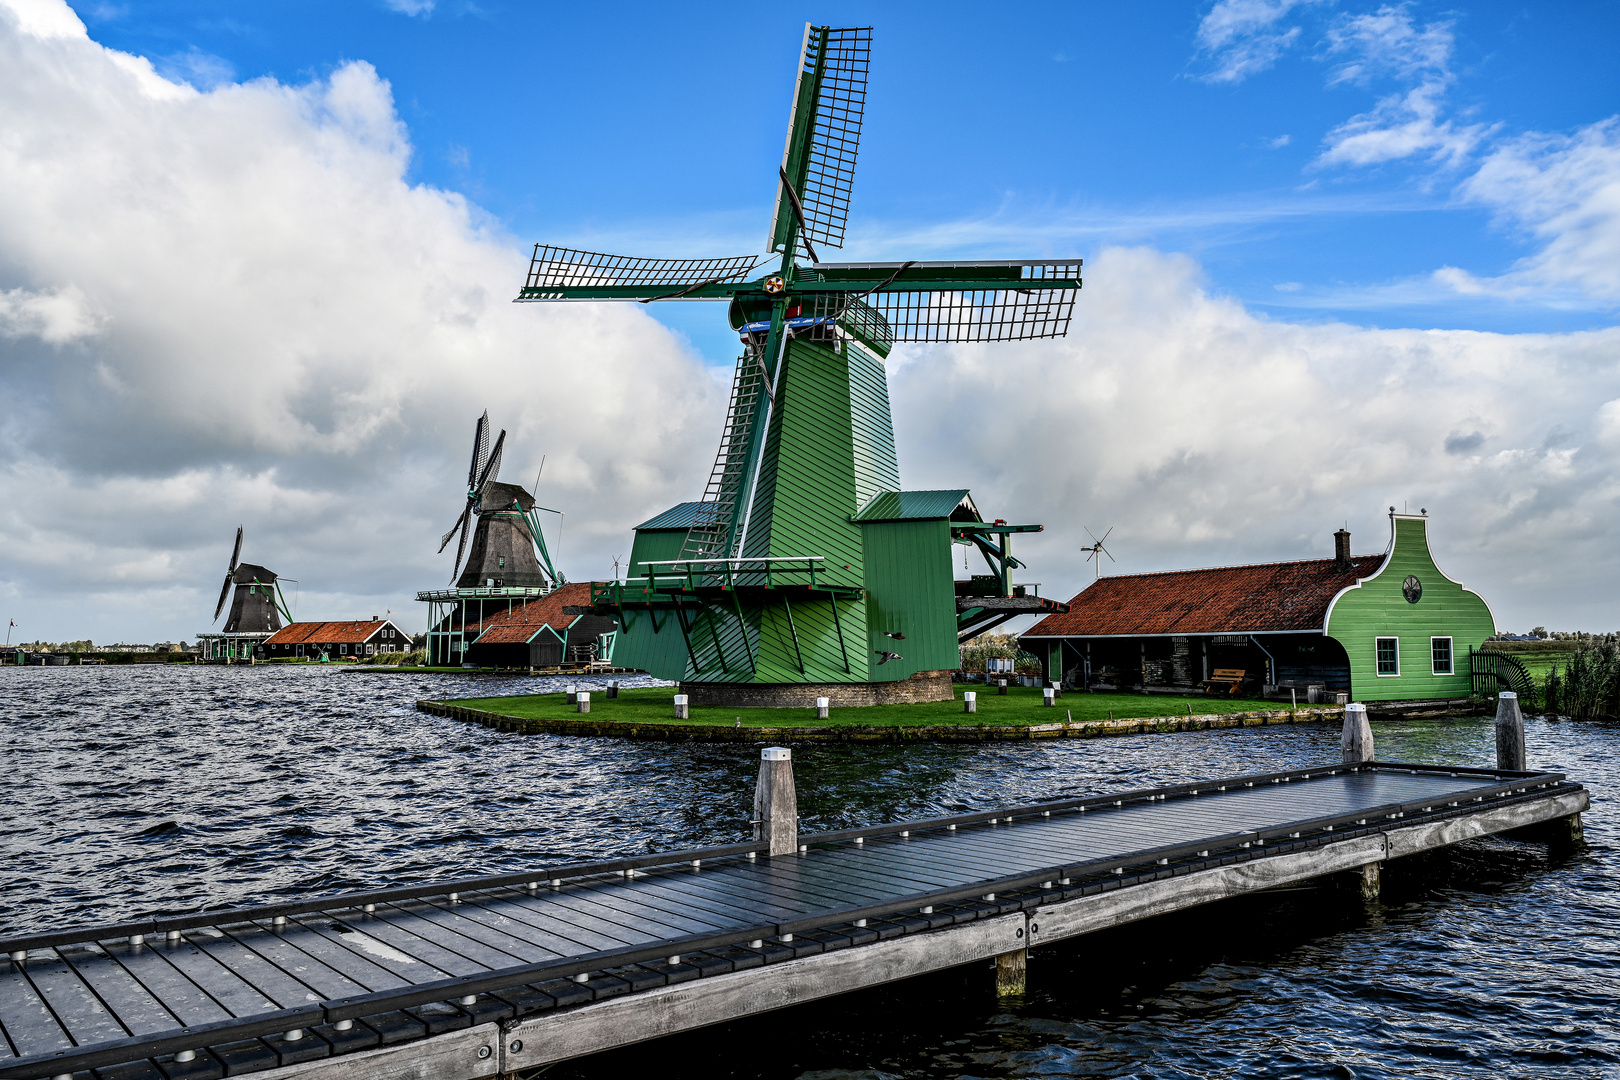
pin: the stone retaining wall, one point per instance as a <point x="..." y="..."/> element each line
<point x="921" y="687"/>
<point x="1078" y="729"/>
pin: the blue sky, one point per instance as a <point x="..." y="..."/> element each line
<point x="256" y="264"/>
<point x="654" y="128"/>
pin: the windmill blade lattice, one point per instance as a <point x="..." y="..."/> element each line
<point x="832" y="83"/>
<point x="225" y="589"/>
<point x="553" y="269"/>
<point x="918" y="304"/>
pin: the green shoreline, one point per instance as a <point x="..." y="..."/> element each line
<point x="929" y="722"/>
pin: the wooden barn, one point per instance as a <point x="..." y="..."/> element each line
<point x="335" y="640"/>
<point x="550" y="631"/>
<point x="1384" y="627"/>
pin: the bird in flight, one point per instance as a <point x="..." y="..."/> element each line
<point x="885" y="657"/>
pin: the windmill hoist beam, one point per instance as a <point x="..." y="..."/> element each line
<point x="961" y="530"/>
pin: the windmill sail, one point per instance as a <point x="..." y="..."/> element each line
<point x="1010" y="300"/>
<point x="555" y="271"/>
<point x="824" y="133"/>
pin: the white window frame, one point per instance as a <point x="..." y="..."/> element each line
<point x="1451" y="655"/>
<point x="1387" y="674"/>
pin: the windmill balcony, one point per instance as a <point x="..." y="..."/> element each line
<point x="677" y="581"/>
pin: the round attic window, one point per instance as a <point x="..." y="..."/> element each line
<point x="1412" y="589"/>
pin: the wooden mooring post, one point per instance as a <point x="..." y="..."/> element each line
<point x="1356" y="746"/>
<point x="1509" y="732"/>
<point x="1563" y="836"/>
<point x="776" y="803"/>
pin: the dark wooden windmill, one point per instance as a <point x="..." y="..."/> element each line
<point x="507" y="562"/>
<point x="257" y="606"/>
<point x="508" y="547"/>
<point x="258" y="609"/>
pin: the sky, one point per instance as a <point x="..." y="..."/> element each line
<point x="256" y="263"/>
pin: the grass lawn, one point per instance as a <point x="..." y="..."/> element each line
<point x="1022" y="705"/>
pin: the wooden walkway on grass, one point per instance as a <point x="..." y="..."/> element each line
<point x="457" y="980"/>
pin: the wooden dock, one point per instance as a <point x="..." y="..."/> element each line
<point x="456" y="980"/>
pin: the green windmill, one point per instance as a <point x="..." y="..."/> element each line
<point x="805" y="569"/>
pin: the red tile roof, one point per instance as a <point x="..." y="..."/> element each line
<point x="1222" y="600"/>
<point x="526" y="619"/>
<point x="323" y="633"/>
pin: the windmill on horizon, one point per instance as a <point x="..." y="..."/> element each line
<point x="803" y="559"/>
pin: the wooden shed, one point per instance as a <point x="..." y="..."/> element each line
<point x="553" y="630"/>
<point x="1384" y="627"/>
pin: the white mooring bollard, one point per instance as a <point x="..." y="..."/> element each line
<point x="1509" y="733"/>
<point x="776" y="804"/>
<point x="1048" y="696"/>
<point x="573" y="694"/>
<point x="823" y="707"/>
<point x="1357" y="740"/>
<point x="683" y="711"/>
<point x="970" y="701"/>
<point x="582" y="701"/>
<point x="613" y="689"/>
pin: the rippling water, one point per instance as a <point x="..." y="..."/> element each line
<point x="132" y="790"/>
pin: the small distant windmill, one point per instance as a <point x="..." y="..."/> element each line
<point x="258" y="606"/>
<point x="508" y="548"/>
<point x="1096" y="548"/>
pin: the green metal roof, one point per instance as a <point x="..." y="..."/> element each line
<point x="678" y="516"/>
<point x="916" y="506"/>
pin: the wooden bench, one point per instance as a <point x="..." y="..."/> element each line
<point x="1227" y="679"/>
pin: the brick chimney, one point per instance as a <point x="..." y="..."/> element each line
<point x="1341" y="550"/>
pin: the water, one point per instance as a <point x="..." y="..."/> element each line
<point x="133" y="790"/>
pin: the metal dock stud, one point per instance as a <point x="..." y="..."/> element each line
<point x="186" y="1055"/>
<point x="674" y="961"/>
<point x="279" y="921"/>
<point x="454" y="898"/>
<point x="172" y="935"/>
<point x="470" y="999"/>
<point x="583" y="976"/>
<point x="137" y="939"/>
<point x="294" y="1035"/>
<point x="19" y="955"/>
<point x="343" y="1025"/>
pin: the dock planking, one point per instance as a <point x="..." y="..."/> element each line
<point x="445" y="979"/>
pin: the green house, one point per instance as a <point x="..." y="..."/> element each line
<point x="1385" y="627"/>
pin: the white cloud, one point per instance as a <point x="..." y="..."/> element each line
<point x="1401" y="126"/>
<point x="1565" y="192"/>
<point x="1208" y="435"/>
<point x="410" y="7"/>
<point x="1243" y="38"/>
<point x="231" y="306"/>
<point x="56" y="316"/>
<point x="1388" y="44"/>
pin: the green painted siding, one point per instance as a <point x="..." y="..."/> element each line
<point x="660" y="651"/>
<point x="910" y="592"/>
<point x="871" y="427"/>
<point x="1377" y="608"/>
<point x="804" y="498"/>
